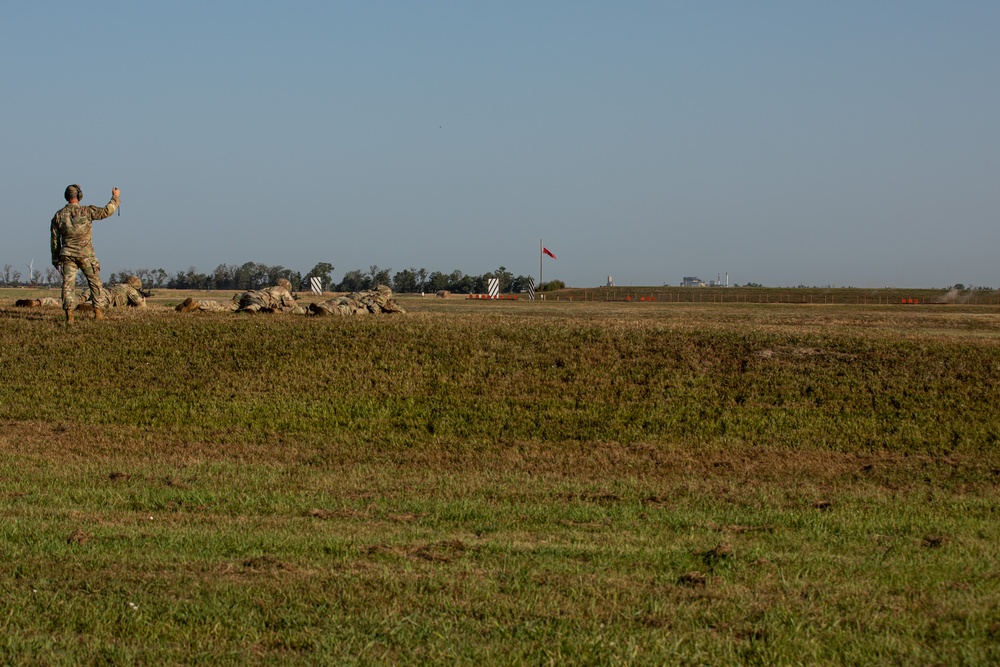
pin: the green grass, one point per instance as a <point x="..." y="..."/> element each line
<point x="504" y="483"/>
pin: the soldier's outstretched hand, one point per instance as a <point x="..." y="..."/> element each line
<point x="116" y="193"/>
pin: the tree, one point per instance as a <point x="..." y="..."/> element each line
<point x="189" y="279"/>
<point x="275" y="273"/>
<point x="159" y="277"/>
<point x="455" y="281"/>
<point x="377" y="276"/>
<point x="250" y="275"/>
<point x="460" y="283"/>
<point x="519" y="284"/>
<point x="323" y="271"/>
<point x="437" y="281"/>
<point x="353" y="281"/>
<point x="405" y="281"/>
<point x="259" y="275"/>
<point x="224" y="277"/>
<point x="145" y="275"/>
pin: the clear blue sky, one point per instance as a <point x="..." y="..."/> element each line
<point x="819" y="143"/>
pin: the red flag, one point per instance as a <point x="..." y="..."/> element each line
<point x="548" y="252"/>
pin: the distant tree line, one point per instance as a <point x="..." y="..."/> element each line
<point x="253" y="275"/>
<point x="11" y="277"/>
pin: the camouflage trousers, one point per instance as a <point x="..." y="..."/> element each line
<point x="212" y="306"/>
<point x="91" y="271"/>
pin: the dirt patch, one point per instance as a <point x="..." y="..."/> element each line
<point x="933" y="541"/>
<point x="337" y="514"/>
<point x="437" y="552"/>
<point x="440" y="552"/>
<point x="77" y="537"/>
<point x="766" y="528"/>
<point x="595" y="525"/>
<point x="692" y="579"/>
<point x="603" y="498"/>
<point x="264" y="564"/>
<point x="716" y="554"/>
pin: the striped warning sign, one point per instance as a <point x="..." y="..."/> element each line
<point x="316" y="285"/>
<point x="494" y="287"/>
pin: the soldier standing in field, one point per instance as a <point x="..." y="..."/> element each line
<point x="73" y="249"/>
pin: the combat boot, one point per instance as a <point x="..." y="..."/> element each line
<point x="69" y="316"/>
<point x="187" y="305"/>
<point x="98" y="313"/>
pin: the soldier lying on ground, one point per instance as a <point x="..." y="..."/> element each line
<point x="128" y="293"/>
<point x="275" y="299"/>
<point x="35" y="303"/>
<point x="208" y="305"/>
<point x="378" y="300"/>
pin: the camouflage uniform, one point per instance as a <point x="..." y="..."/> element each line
<point x="207" y="305"/>
<point x="73" y="249"/>
<point x="125" y="294"/>
<point x="34" y="303"/>
<point x="270" y="299"/>
<point x="128" y="293"/>
<point x="378" y="300"/>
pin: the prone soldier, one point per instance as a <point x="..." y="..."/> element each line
<point x="208" y="305"/>
<point x="275" y="299"/>
<point x="128" y="293"/>
<point x="378" y="300"/>
<point x="35" y="303"/>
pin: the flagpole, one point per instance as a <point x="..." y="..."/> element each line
<point x="539" y="264"/>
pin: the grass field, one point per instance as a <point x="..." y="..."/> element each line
<point x="558" y="482"/>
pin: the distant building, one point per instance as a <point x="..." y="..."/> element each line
<point x="611" y="281"/>
<point x="718" y="281"/>
<point x="692" y="281"/>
